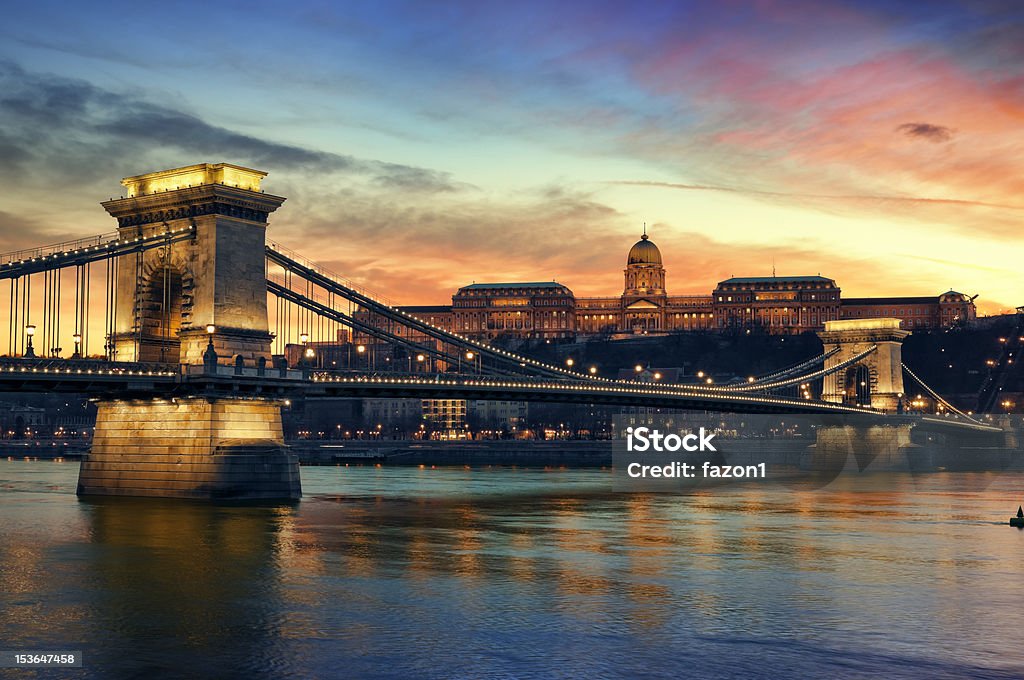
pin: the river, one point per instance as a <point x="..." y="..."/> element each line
<point x="404" y="572"/>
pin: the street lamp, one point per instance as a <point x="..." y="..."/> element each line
<point x="638" y="368"/>
<point x="470" y="355"/>
<point x="30" y="351"/>
<point x="210" y="355"/>
<point x="77" y="337"/>
<point x="569" y="362"/>
<point x="593" y="370"/>
<point x="303" y="338"/>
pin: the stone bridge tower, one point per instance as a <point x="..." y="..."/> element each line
<point x="877" y="379"/>
<point x="167" y="297"/>
<point x="192" y="446"/>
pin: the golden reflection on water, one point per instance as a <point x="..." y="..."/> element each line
<point x="423" y="570"/>
<point x="191" y="562"/>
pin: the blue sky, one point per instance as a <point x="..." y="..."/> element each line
<point x="423" y="146"/>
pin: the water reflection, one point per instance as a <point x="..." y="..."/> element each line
<point x="398" y="573"/>
<point x="186" y="579"/>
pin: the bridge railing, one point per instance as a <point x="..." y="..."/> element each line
<point x="321" y="374"/>
<point x="57" y="364"/>
<point x="63" y="247"/>
<point x="195" y="370"/>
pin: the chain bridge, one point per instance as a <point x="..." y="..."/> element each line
<point x="190" y="328"/>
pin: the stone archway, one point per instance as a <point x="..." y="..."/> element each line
<point x="881" y="371"/>
<point x="857" y="385"/>
<point x="164" y="299"/>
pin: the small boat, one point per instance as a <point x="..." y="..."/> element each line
<point x="1018" y="521"/>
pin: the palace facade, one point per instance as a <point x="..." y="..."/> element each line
<point x="771" y="304"/>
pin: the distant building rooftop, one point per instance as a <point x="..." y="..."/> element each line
<point x="777" y="279"/>
<point x="926" y="300"/>
<point x="425" y="309"/>
<point x="513" y="284"/>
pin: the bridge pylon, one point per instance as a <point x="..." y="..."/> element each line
<point x="877" y="379"/>
<point x="174" y="304"/>
<point x="167" y="298"/>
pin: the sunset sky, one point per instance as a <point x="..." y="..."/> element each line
<point x="425" y="146"/>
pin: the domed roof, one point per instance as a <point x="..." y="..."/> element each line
<point x="644" y="252"/>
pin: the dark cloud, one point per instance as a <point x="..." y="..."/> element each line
<point x="60" y="124"/>
<point x="927" y="131"/>
<point x="19" y="232"/>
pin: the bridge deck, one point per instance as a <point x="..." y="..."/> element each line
<point x="120" y="380"/>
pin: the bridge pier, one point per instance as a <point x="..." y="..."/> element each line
<point x="202" y="448"/>
<point x="867" y="448"/>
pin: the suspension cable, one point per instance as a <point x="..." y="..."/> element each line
<point x="311" y="306"/>
<point x="810" y="376"/>
<point x="411" y="322"/>
<point x="936" y="396"/>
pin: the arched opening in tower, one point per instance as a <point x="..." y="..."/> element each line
<point x="857" y="388"/>
<point x="160" y="315"/>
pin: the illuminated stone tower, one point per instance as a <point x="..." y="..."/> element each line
<point x="167" y="297"/>
<point x="877" y="379"/>
<point x="173" y="301"/>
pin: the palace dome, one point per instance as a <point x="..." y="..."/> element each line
<point x="644" y="252"/>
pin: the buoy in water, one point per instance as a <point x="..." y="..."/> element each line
<point x="1018" y="521"/>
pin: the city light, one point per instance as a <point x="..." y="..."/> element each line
<point x="210" y="328"/>
<point x="569" y="362"/>
<point x="360" y="349"/>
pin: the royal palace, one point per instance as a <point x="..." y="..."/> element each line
<point x="771" y="304"/>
